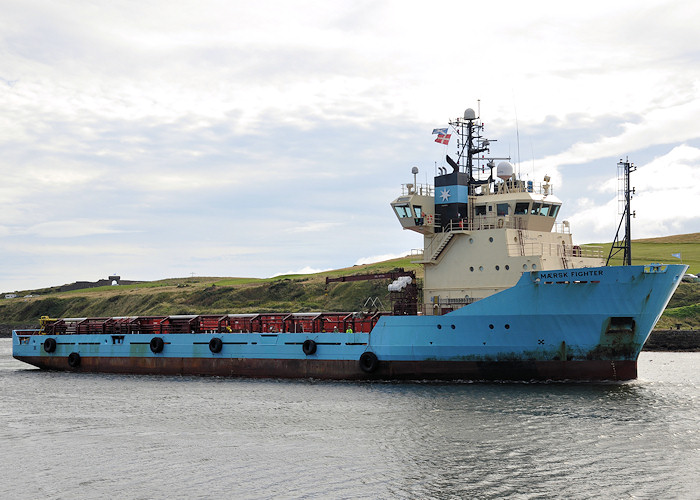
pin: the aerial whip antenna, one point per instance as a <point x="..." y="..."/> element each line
<point x="517" y="137"/>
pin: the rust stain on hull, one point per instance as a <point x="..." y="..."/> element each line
<point x="347" y="369"/>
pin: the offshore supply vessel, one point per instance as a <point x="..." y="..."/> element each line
<point x="506" y="296"/>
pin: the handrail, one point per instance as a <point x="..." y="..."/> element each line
<point x="420" y="189"/>
<point x="553" y="249"/>
<point x="483" y="222"/>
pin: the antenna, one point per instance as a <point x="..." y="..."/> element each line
<point x="517" y="137"/>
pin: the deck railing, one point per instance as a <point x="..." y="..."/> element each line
<point x="553" y="250"/>
<point x="267" y="323"/>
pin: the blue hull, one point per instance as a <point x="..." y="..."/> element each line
<point x="579" y="324"/>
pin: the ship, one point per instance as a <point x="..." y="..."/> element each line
<point x="506" y="295"/>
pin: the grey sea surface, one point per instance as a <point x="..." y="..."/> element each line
<point x="74" y="436"/>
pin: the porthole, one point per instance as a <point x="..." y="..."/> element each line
<point x="471" y="240"/>
<point x="439" y="327"/>
<point x="452" y="326"/>
<point x="481" y="268"/>
<point x="507" y="267"/>
<point x="490" y="239"/>
<point x="524" y="266"/>
<point x="507" y="326"/>
<point x="491" y="327"/>
<point x="534" y="266"/>
<point x="498" y="268"/>
<point x="471" y="268"/>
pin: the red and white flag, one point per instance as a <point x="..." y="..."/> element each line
<point x="443" y="138"/>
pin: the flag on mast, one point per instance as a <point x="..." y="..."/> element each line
<point x="443" y="138"/>
<point x="440" y="131"/>
<point x="676" y="255"/>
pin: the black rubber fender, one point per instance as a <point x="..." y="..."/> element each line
<point x="216" y="344"/>
<point x="74" y="360"/>
<point x="50" y="345"/>
<point x="309" y="347"/>
<point x="369" y="362"/>
<point x="157" y="345"/>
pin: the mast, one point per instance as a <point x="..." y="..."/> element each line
<point x="470" y="139"/>
<point x="624" y="169"/>
<point x="454" y="191"/>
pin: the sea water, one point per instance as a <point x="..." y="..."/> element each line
<point x="68" y="436"/>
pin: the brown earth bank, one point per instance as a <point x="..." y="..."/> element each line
<point x="6" y="330"/>
<point x="659" y="340"/>
<point x="673" y="340"/>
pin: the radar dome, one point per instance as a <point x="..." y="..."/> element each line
<point x="504" y="170"/>
<point x="469" y="114"/>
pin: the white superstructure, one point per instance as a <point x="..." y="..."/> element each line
<point x="479" y="236"/>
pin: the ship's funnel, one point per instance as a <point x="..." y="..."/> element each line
<point x="452" y="163"/>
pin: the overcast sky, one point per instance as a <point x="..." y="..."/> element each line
<point x="157" y="139"/>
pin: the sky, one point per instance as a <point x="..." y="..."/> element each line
<point x="160" y="139"/>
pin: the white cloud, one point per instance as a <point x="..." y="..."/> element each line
<point x="303" y="270"/>
<point x="239" y="139"/>
<point x="665" y="200"/>
<point x="379" y="258"/>
<point x="75" y="228"/>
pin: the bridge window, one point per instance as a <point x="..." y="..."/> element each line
<point x="554" y="211"/>
<point x="418" y="210"/>
<point x="545" y="209"/>
<point x="403" y="211"/>
<point x="480" y="210"/>
<point x="535" y="208"/>
<point x="521" y="208"/>
<point x="502" y="209"/>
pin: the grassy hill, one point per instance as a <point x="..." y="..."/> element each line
<point x="661" y="250"/>
<point x="210" y="295"/>
<point x="300" y="293"/>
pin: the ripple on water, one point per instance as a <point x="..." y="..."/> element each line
<point x="91" y="436"/>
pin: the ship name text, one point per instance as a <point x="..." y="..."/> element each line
<point x="571" y="274"/>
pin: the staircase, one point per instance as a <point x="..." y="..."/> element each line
<point x="442" y="243"/>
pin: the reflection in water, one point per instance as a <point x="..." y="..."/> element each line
<point x="182" y="437"/>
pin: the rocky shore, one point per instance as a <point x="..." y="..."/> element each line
<point x="673" y="340"/>
<point x="6" y="330"/>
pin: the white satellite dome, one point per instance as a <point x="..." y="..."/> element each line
<point x="504" y="170"/>
<point x="469" y="114"/>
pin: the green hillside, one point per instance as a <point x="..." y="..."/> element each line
<point x="299" y="293"/>
<point x="661" y="250"/>
<point x="207" y="295"/>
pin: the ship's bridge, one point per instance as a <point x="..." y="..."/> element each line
<point x="513" y="204"/>
<point x="516" y="210"/>
<point x="415" y="208"/>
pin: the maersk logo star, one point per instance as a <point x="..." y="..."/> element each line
<point x="445" y="194"/>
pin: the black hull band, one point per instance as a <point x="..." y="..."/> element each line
<point x="346" y="369"/>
